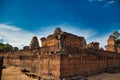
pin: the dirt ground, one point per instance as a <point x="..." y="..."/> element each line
<point x="105" y="76"/>
<point x="13" y="73"/>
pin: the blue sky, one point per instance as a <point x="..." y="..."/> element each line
<point x="94" y="19"/>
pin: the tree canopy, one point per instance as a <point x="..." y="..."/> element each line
<point x="5" y="47"/>
<point x="116" y="34"/>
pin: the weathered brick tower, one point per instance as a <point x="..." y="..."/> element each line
<point x="34" y="43"/>
<point x="111" y="44"/>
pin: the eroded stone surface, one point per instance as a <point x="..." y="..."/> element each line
<point x="34" y="43"/>
<point x="111" y="46"/>
<point x="93" y="45"/>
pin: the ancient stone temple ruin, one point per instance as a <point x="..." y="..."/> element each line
<point x="63" y="55"/>
<point x="59" y="42"/>
<point x="111" y="45"/>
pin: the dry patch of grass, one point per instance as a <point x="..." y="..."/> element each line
<point x="105" y="76"/>
<point x="13" y="73"/>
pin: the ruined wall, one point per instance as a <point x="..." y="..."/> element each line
<point x="86" y="63"/>
<point x="63" y="39"/>
<point x="49" y="41"/>
<point x="61" y="65"/>
<point x="111" y="48"/>
<point x="118" y="49"/>
<point x="44" y="65"/>
<point x="74" y="41"/>
<point x="70" y="40"/>
<point x="50" y="65"/>
<point x="93" y="45"/>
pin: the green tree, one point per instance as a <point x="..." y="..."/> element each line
<point x="1" y="46"/>
<point x="5" y="47"/>
<point x="8" y="47"/>
<point x="116" y="34"/>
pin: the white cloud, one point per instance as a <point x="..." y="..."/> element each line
<point x="87" y="33"/>
<point x="108" y="3"/>
<point x="6" y="27"/>
<point x="1" y="40"/>
<point x="119" y="33"/>
<point x="19" y="37"/>
<point x="101" y="39"/>
<point x="15" y="35"/>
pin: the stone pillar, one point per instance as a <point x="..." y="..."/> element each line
<point x="59" y="47"/>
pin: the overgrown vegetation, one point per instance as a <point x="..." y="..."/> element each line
<point x="116" y="34"/>
<point x="5" y="47"/>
